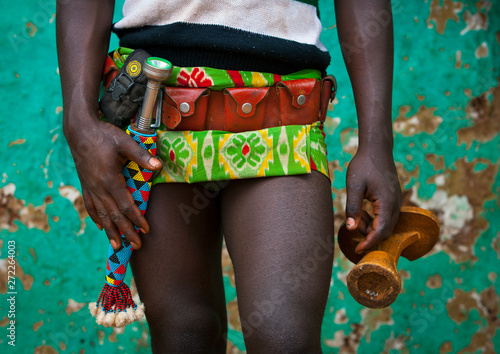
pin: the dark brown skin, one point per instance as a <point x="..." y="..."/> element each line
<point x="100" y="149"/>
<point x="272" y="226"/>
<point x="371" y="173"/>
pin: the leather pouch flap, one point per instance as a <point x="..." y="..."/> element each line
<point x="247" y="99"/>
<point x="184" y="98"/>
<point x="299" y="90"/>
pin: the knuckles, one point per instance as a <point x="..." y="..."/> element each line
<point x="102" y="214"/>
<point x="352" y="209"/>
<point x="383" y="226"/>
<point x="116" y="217"/>
<point x="126" y="209"/>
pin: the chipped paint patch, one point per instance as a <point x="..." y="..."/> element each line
<point x="349" y="140"/>
<point x="340" y="316"/>
<point x="434" y="281"/>
<point x="446" y="348"/>
<point x="373" y="319"/>
<point x="423" y="121"/>
<point x="32" y="252"/>
<point x="227" y="266"/>
<point x="31" y="28"/>
<point x="26" y="279"/>
<point x="75" y="197"/>
<point x="458" y="59"/>
<point x="479" y="20"/>
<point x="436" y="161"/>
<point x="458" y="205"/>
<point x="482" y="51"/>
<point x="331" y="124"/>
<point x="74" y="306"/>
<point x="486" y="305"/>
<point x="37" y="325"/>
<point x="233" y="315"/>
<point x="441" y="14"/>
<point x="17" y="142"/>
<point x="13" y="209"/>
<point x="396" y="343"/>
<point x="485" y="117"/>
<point x="347" y="343"/>
<point x="495" y="244"/>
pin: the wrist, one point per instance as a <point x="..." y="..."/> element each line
<point x="380" y="142"/>
<point x="79" y="117"/>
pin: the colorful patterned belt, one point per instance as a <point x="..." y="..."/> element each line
<point x="224" y="124"/>
<point x="200" y="98"/>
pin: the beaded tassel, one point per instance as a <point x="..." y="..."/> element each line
<point x="115" y="307"/>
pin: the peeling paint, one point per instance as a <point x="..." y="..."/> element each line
<point x="340" y="317"/>
<point x="434" y="281"/>
<point x="17" y="142"/>
<point x="233" y="315"/>
<point x="13" y="209"/>
<point x="446" y="348"/>
<point x="45" y="349"/>
<point x="482" y="51"/>
<point x="349" y="140"/>
<point x="75" y="197"/>
<point x="73" y="306"/>
<point x="398" y="344"/>
<point x="331" y="124"/>
<point x="458" y="59"/>
<point x="485" y="117"/>
<point x="373" y="319"/>
<point x="436" y="161"/>
<point x="31" y="28"/>
<point x="423" y="121"/>
<point x="25" y="279"/>
<point x="486" y="304"/>
<point x="227" y="266"/>
<point x="441" y="14"/>
<point x="37" y="325"/>
<point x="479" y="20"/>
<point x="458" y="205"/>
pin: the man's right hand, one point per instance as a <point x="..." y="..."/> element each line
<point x="100" y="150"/>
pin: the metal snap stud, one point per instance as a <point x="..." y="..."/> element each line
<point x="301" y="100"/>
<point x="246" y="108"/>
<point x="184" y="107"/>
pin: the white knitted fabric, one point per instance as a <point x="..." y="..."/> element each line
<point x="300" y="22"/>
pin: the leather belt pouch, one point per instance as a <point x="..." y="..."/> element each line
<point x="294" y="102"/>
<point x="298" y="101"/>
<point x="244" y="108"/>
<point x="185" y="108"/>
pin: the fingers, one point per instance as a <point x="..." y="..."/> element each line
<point x="104" y="191"/>
<point x="380" y="231"/>
<point x="381" y="226"/>
<point x="365" y="225"/>
<point x="90" y="206"/>
<point x="132" y="151"/>
<point x="114" y="220"/>
<point x="126" y="206"/>
<point x="110" y="229"/>
<point x="354" y="203"/>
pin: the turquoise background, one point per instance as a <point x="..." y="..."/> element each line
<point x="446" y="114"/>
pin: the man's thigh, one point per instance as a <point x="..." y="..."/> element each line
<point x="279" y="233"/>
<point x="178" y="269"/>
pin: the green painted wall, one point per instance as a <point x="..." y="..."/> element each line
<point x="446" y="117"/>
